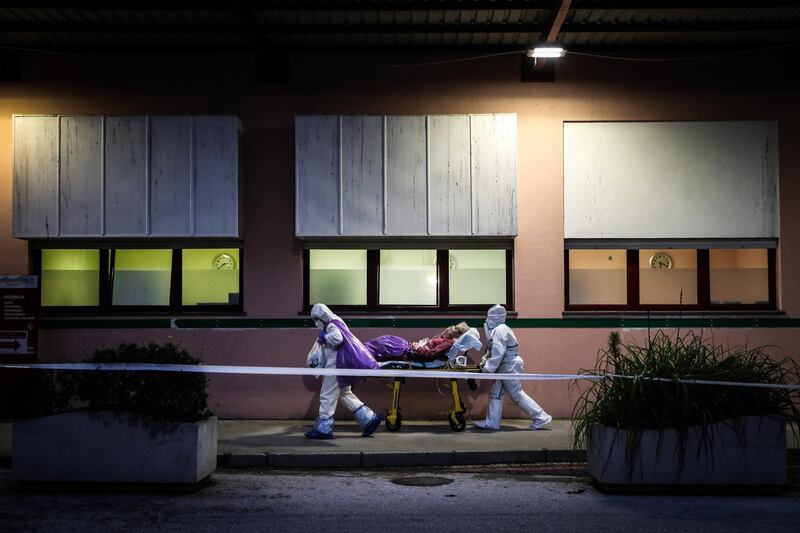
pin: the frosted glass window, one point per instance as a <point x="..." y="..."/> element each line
<point x="70" y="277"/>
<point x="477" y="276"/>
<point x="142" y="277"/>
<point x="210" y="276"/>
<point x="673" y="285"/>
<point x="408" y="277"/>
<point x="598" y="277"/>
<point x="739" y="276"/>
<point x="337" y="277"/>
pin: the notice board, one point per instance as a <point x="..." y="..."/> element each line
<point x="19" y="312"/>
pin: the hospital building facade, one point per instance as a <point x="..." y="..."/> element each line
<point x="187" y="203"/>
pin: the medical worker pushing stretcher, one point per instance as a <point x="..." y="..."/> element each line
<point x="502" y="356"/>
<point x="339" y="349"/>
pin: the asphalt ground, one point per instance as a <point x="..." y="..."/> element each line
<point x="544" y="498"/>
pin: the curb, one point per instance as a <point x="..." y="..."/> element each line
<point x="395" y="459"/>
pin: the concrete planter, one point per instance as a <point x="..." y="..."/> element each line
<point x="108" y="447"/>
<point x="746" y="451"/>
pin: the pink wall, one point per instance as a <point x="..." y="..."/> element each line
<point x="587" y="89"/>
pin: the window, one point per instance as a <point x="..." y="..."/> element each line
<point x="408" y="279"/>
<point x="477" y="276"/>
<point x="667" y="277"/>
<point x="139" y="280"/>
<point x="141" y="277"/>
<point x="338" y="277"/>
<point x="210" y="277"/>
<point x="597" y="277"/>
<point x="670" y="278"/>
<point x="739" y="277"/>
<point x="70" y="278"/>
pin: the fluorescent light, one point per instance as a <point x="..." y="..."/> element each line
<point x="547" y="51"/>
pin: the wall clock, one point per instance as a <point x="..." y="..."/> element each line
<point x="661" y="260"/>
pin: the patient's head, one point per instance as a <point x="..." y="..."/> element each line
<point x="456" y="330"/>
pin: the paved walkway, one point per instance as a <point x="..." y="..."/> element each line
<point x="282" y="444"/>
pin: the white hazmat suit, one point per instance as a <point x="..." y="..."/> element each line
<point x="502" y="356"/>
<point x="330" y="393"/>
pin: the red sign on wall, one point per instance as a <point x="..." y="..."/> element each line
<point x="19" y="312"/>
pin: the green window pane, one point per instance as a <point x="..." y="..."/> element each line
<point x="598" y="277"/>
<point x="668" y="277"/>
<point x="477" y="276"/>
<point x="210" y="276"/>
<point x="739" y="276"/>
<point x="337" y="277"/>
<point x="408" y="277"/>
<point x="70" y="277"/>
<point x="142" y="277"/>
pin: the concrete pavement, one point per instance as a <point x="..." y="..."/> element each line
<point x="418" y="443"/>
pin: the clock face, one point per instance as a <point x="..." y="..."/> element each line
<point x="224" y="262"/>
<point x="661" y="260"/>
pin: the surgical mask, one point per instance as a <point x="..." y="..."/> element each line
<point x="319" y="323"/>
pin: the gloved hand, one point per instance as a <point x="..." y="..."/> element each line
<point x="313" y="363"/>
<point x="322" y="335"/>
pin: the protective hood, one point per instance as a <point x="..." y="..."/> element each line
<point x="495" y="316"/>
<point x="323" y="313"/>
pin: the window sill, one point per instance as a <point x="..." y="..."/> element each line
<point x="411" y="313"/>
<point x="722" y="313"/>
<point x="136" y="314"/>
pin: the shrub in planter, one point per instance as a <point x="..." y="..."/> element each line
<point x="666" y="431"/>
<point x="131" y="427"/>
<point x="164" y="396"/>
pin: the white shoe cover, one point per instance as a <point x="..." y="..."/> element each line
<point x="541" y="422"/>
<point x="493" y="415"/>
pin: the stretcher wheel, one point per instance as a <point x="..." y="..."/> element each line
<point x="472" y="385"/>
<point x="397" y="423"/>
<point x="457" y="421"/>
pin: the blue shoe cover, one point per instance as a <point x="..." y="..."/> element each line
<point x="323" y="429"/>
<point x="372" y="425"/>
<point x="318" y="435"/>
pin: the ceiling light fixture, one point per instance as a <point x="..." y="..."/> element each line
<point x="546" y="51"/>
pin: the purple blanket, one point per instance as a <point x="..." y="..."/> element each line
<point x="351" y="354"/>
<point x="388" y="347"/>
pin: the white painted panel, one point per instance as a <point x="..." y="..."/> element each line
<point x="671" y="180"/>
<point x="216" y="156"/>
<point x="362" y="175"/>
<point x="450" y="194"/>
<point x="35" y="176"/>
<point x="126" y="176"/>
<point x="81" y="176"/>
<point x="494" y="174"/>
<point x="170" y="175"/>
<point x="406" y="176"/>
<point x="317" y="175"/>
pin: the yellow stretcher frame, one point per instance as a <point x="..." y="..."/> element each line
<point x="456" y="414"/>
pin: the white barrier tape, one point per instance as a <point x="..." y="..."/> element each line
<point x="293" y="371"/>
<point x="357" y="372"/>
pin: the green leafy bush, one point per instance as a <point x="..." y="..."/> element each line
<point x="167" y="396"/>
<point x="637" y="403"/>
<point x="163" y="396"/>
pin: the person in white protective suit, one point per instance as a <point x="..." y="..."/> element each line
<point x="337" y="343"/>
<point x="502" y="356"/>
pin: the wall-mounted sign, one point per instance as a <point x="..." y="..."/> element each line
<point x="19" y="311"/>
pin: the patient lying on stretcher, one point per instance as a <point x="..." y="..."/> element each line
<point x="394" y="348"/>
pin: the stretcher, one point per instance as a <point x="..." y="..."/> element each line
<point x="455" y="360"/>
